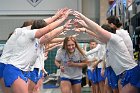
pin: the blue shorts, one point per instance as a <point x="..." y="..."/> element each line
<point x="131" y="76"/>
<point x="100" y="78"/>
<point x="89" y="74"/>
<point x="2" y="66"/>
<point x="95" y="76"/>
<point x="112" y="78"/>
<point x="11" y="73"/>
<point x="72" y="81"/>
<point x="35" y="75"/>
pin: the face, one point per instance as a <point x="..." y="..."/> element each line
<point x="70" y="46"/>
<point x="92" y="45"/>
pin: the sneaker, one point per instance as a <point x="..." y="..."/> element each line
<point x="86" y="85"/>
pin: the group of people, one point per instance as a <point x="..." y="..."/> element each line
<point x="111" y="66"/>
<point x="22" y="60"/>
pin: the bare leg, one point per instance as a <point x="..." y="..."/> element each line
<point x="97" y="88"/>
<point x="76" y="88"/>
<point x="37" y="87"/>
<point x="129" y="89"/>
<point x="116" y="90"/>
<point x="31" y="86"/>
<point x="65" y="87"/>
<point x="93" y="88"/>
<point x="19" y="86"/>
<point x="120" y="86"/>
<point x="107" y="87"/>
<point x="101" y="86"/>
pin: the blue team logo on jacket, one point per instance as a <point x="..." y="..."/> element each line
<point x="34" y="2"/>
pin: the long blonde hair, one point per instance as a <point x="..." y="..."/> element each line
<point x="76" y="44"/>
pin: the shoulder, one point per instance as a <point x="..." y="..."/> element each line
<point x="61" y="51"/>
<point x="115" y="38"/>
<point x="121" y="31"/>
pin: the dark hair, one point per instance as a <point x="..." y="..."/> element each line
<point x="38" y="24"/>
<point x="27" y="23"/>
<point x="115" y="20"/>
<point x="108" y="28"/>
<point x="92" y="40"/>
<point x="76" y="44"/>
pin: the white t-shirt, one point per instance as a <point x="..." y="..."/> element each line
<point x="70" y="72"/>
<point x="25" y="50"/>
<point x="40" y="60"/>
<point x="127" y="40"/>
<point x="90" y="58"/>
<point x="98" y="52"/>
<point x="10" y="44"/>
<point x="118" y="56"/>
<point x="101" y="54"/>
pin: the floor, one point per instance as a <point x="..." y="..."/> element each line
<point x="57" y="90"/>
<point x="51" y="86"/>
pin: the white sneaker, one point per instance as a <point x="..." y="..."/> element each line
<point x="86" y="85"/>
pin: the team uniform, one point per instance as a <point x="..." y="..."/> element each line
<point x="72" y="74"/>
<point x="98" y="53"/>
<point x="112" y="77"/>
<point x="24" y="55"/>
<point x="119" y="58"/>
<point x="127" y="40"/>
<point x="8" y="49"/>
<point x="36" y="72"/>
<point x="92" y="76"/>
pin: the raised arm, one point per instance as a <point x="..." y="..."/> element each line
<point x="93" y="50"/>
<point x="58" y="14"/>
<point x="56" y="45"/>
<point x="100" y="32"/>
<point x="51" y="45"/>
<point x="51" y="35"/>
<point x="55" y="40"/>
<point x="88" y="31"/>
<point x="40" y="32"/>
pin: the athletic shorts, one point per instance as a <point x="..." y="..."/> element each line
<point x="11" y="73"/>
<point x="94" y="76"/>
<point x="131" y="76"/>
<point x="112" y="78"/>
<point x="89" y="74"/>
<point x="99" y="77"/>
<point x="72" y="81"/>
<point x="2" y="66"/>
<point x="35" y="76"/>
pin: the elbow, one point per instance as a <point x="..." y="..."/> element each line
<point x="38" y="34"/>
<point x="45" y="39"/>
